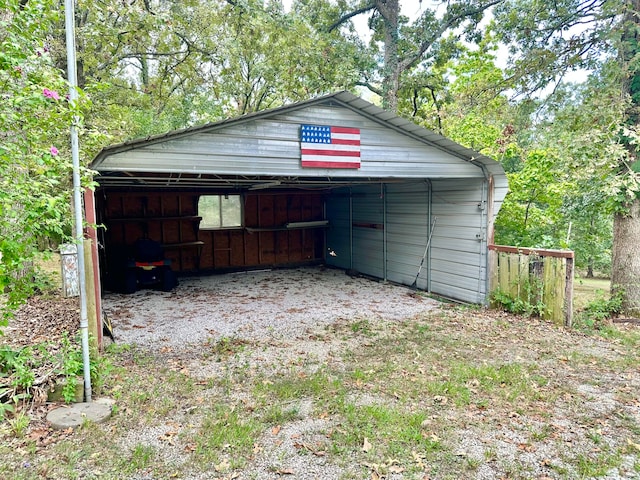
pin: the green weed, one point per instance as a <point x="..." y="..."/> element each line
<point x="594" y="466"/>
<point x="224" y="429"/>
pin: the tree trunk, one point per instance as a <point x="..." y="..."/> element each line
<point x="625" y="270"/>
<point x="625" y="261"/>
<point x="590" y="269"/>
<point x="390" y="10"/>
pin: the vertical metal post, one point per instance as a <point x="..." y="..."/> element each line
<point x="484" y="261"/>
<point x="429" y="227"/>
<point x="350" y="228"/>
<point x="77" y="192"/>
<point x="383" y="191"/>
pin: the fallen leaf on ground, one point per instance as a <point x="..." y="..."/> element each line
<point x="366" y="445"/>
<point x="285" y="471"/>
<point x="222" y="466"/>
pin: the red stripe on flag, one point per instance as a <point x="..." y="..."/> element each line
<point x="333" y="153"/>
<point x="354" y="131"/>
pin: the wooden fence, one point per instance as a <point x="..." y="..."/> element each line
<point x="546" y="275"/>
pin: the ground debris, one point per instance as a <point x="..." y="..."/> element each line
<point x="42" y="319"/>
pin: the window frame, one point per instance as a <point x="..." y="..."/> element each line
<point x="221" y="197"/>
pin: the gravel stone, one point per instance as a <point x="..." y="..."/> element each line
<point x="256" y="305"/>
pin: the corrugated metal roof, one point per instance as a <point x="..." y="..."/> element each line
<point x="343" y="99"/>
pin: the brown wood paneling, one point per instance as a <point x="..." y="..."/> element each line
<point x="281" y="214"/>
<point x="236" y="243"/>
<point x="267" y="248"/>
<point x="281" y="246"/>
<point x="154" y="230"/>
<point x="170" y="203"/>
<point x="171" y="232"/>
<point x="206" y="257"/>
<point x="295" y="246"/>
<point x="153" y="206"/>
<point x="252" y="249"/>
<point x="266" y="211"/>
<point x="294" y="209"/>
<point x="251" y="211"/>
<point x="221" y="249"/>
<point x="148" y="211"/>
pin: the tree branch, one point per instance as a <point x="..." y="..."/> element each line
<point x="347" y="16"/>
<point x="373" y="89"/>
<point x="446" y="25"/>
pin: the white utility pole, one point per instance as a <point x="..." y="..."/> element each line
<point x="77" y="192"/>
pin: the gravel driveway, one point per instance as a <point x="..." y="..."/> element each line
<point x="255" y="305"/>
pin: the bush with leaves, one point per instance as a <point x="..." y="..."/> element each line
<point x="27" y="373"/>
<point x="35" y="166"/>
<point x="598" y="311"/>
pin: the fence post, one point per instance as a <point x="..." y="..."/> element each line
<point x="568" y="294"/>
<point x="557" y="276"/>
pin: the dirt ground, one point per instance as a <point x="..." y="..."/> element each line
<point x="254" y="305"/>
<point x="312" y="374"/>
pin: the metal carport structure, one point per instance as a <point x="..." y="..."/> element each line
<point x="375" y="218"/>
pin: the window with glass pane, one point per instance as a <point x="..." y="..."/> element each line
<point x="220" y="211"/>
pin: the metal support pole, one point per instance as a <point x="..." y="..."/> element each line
<point x="350" y="228"/>
<point x="77" y="192"/>
<point x="383" y="192"/>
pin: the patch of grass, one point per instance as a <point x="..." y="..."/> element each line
<point x="279" y="414"/>
<point x="226" y="429"/>
<point x="141" y="457"/>
<point x="391" y="431"/>
<point x="630" y="338"/>
<point x="595" y="315"/>
<point x="318" y="385"/>
<point x="541" y="434"/>
<point x="19" y="424"/>
<point x="226" y="347"/>
<point x="585" y="290"/>
<point x="362" y="327"/>
<point x="594" y="466"/>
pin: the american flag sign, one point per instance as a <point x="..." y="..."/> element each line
<point x="324" y="146"/>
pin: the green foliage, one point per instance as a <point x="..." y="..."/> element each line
<point x="56" y="362"/>
<point x="595" y="314"/>
<point x="16" y="377"/>
<point x="531" y="215"/>
<point x="528" y="302"/>
<point x="35" y="164"/>
<point x="70" y="358"/>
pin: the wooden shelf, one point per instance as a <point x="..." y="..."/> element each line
<point x="154" y="219"/>
<point x="197" y="243"/>
<point x="290" y="226"/>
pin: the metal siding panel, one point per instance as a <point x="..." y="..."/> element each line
<point x="458" y="269"/>
<point x="454" y="292"/>
<point x="368" y="243"/>
<point x="270" y="146"/>
<point x="455" y="268"/>
<point x="338" y="240"/>
<point x="407" y="233"/>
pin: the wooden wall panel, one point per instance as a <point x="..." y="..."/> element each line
<point x="267" y="248"/>
<point x="133" y="215"/>
<point x="266" y="211"/>
<point x="206" y="256"/>
<point x="281" y="246"/>
<point x="236" y="241"/>
<point x="295" y="246"/>
<point x="252" y="249"/>
<point x="251" y="214"/>
<point x="221" y="249"/>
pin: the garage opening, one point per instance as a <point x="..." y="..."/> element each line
<point x="246" y="193"/>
